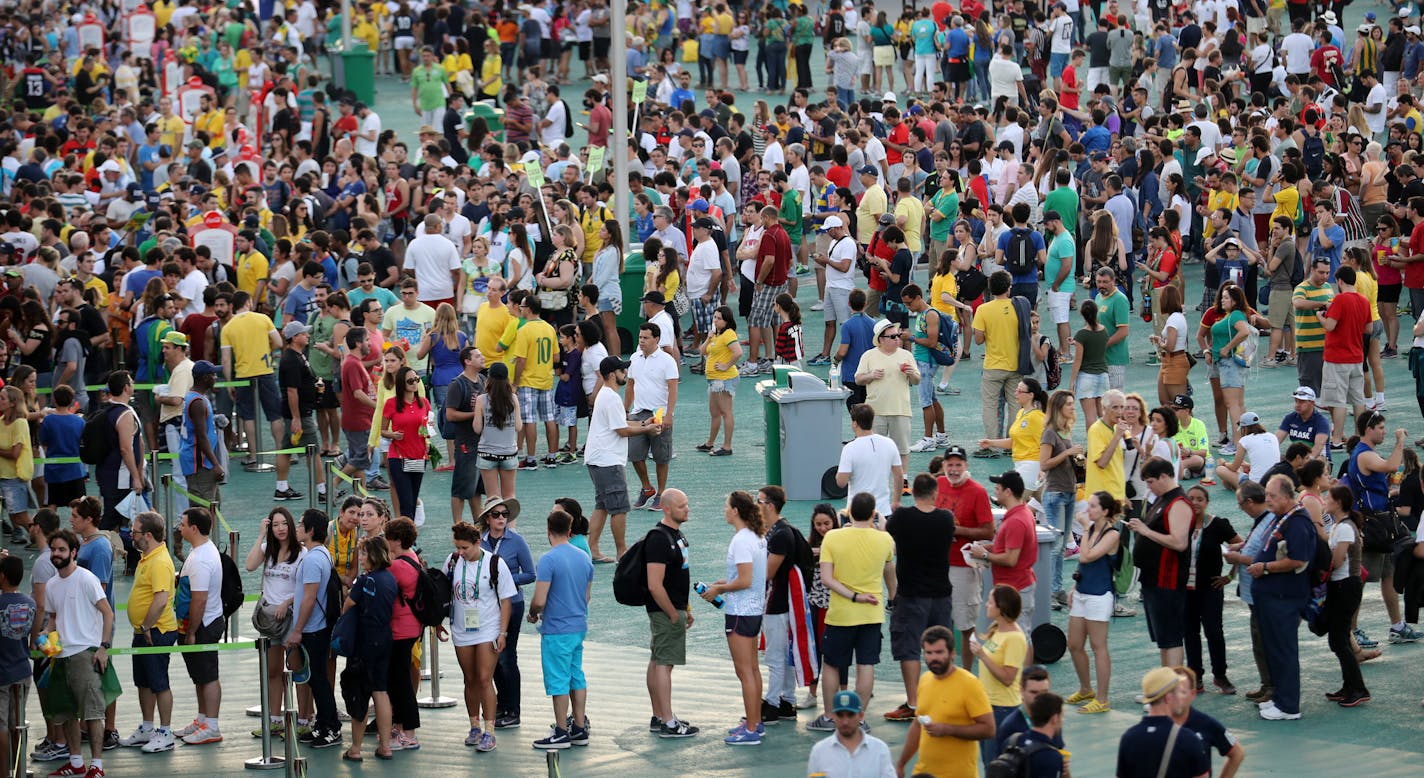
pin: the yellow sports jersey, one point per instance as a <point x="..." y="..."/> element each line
<point x="860" y="555"/>
<point x="211" y="123"/>
<point x="252" y="269"/>
<point x="1027" y="435"/>
<point x="942" y="285"/>
<point x="490" y="324"/>
<point x="154" y="575"/>
<point x="241" y="61"/>
<point x="996" y="319"/>
<point x="247" y="335"/>
<point x="537" y="344"/>
<point x="1219" y="199"/>
<point x="170" y="131"/>
<point x="719" y="352"/>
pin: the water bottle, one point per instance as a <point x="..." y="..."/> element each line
<point x="1147" y="304"/>
<point x="1209" y="472"/>
<point x="700" y="587"/>
<point x="835" y="376"/>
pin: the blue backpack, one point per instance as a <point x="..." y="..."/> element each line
<point x="947" y="350"/>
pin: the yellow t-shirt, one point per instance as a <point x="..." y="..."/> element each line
<point x="489" y="326"/>
<point x="997" y="320"/>
<point x="872" y="204"/>
<point x="490" y="69"/>
<point x="1027" y="434"/>
<point x="241" y="61"/>
<point x="724" y="23"/>
<point x="455" y="64"/>
<point x="914" y="212"/>
<point x="1007" y="649"/>
<point x="1368" y="287"/>
<point x="719" y="350"/>
<point x="958" y="698"/>
<point x="538" y="344"/>
<point x="1287" y="203"/>
<point x="344" y="548"/>
<point x="211" y="123"/>
<point x="98" y="284"/>
<point x="251" y="269"/>
<point x="154" y="575"/>
<point x="942" y="285"/>
<point x="1111" y="478"/>
<point x="170" y="131"/>
<point x="367" y="32"/>
<point x="1219" y="198"/>
<point x="860" y="555"/>
<point x="23" y="467"/>
<point x="247" y="336"/>
<point x="889" y="396"/>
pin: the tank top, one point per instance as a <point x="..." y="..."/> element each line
<point x="1372" y="490"/>
<point x="395" y="203"/>
<point x="1369" y="57"/>
<point x="188" y="455"/>
<point x="1095" y="577"/>
<point x="496" y="442"/>
<point x="405" y="26"/>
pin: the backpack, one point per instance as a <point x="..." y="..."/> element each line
<point x="630" y="578"/>
<point x="947" y="349"/>
<point x="1312" y="153"/>
<point x="98" y="437"/>
<point x="333" y="596"/>
<point x="1019" y="255"/>
<point x="1013" y="761"/>
<point x="1052" y="369"/>
<point x="431" y="602"/>
<point x="232" y="594"/>
<point x="568" y="121"/>
<point x="1297" y="275"/>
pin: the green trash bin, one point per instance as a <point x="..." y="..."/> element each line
<point x="358" y="70"/>
<point x="771" y="416"/>
<point x="631" y="282"/>
<point x="494" y="118"/>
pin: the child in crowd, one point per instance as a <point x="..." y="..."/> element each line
<point x="789" y="348"/>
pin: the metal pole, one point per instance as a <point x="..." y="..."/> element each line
<point x="295" y="765"/>
<point x="255" y="445"/>
<point x="330" y="491"/>
<point x="233" y="538"/>
<point x="618" y="82"/>
<point x="432" y="650"/>
<point x="153" y="460"/>
<point x="266" y="761"/>
<point x="174" y="540"/>
<point x="313" y="462"/>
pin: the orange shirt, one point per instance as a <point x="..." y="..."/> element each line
<point x="508" y="31"/>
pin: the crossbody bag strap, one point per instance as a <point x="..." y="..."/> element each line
<point x="1167" y="752"/>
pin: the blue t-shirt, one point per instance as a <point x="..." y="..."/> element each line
<point x="923" y="33"/>
<point x="135" y="281"/>
<point x="375" y="595"/>
<point x="301" y="303"/>
<point x="1139" y="752"/>
<point x="17" y="615"/>
<point x="1305" y="430"/>
<point x="314" y="567"/>
<point x="59" y="434"/>
<point x="1297" y="532"/>
<point x="146" y="154"/>
<point x="1212" y="733"/>
<point x="1036" y="239"/>
<point x="569" y="573"/>
<point x="1096" y="138"/>
<point x="97" y="556"/>
<point x="1314" y="250"/>
<point x="858" y="335"/>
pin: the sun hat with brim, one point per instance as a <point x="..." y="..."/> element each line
<point x="511" y="504"/>
<point x="1158" y="682"/>
<point x="299" y="663"/>
<point x="881" y="326"/>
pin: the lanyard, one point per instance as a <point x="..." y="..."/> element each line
<point x="465" y="568"/>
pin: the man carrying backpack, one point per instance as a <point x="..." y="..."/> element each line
<point x="925" y="328"/>
<point x="669" y="584"/>
<point x="1022" y="252"/>
<point x="202" y="622"/>
<point x="1032" y="754"/>
<point x="311" y="623"/>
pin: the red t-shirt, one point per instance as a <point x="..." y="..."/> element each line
<point x="196" y="327"/>
<point x="1167" y="265"/>
<point x="1320" y="63"/>
<point x="355" y="415"/>
<point x="839" y="175"/>
<point x="775" y="247"/>
<point x="1345" y="344"/>
<point x="407" y="420"/>
<point x="346" y="125"/>
<point x="1067" y="98"/>
<point x="900" y="134"/>
<point x="1017" y="531"/>
<point x="1414" y="271"/>
<point x="969" y="502"/>
<point x="980" y="188"/>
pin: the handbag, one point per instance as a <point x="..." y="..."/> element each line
<point x="680" y="301"/>
<point x="268" y="624"/>
<point x="1384" y="532"/>
<point x="553" y="299"/>
<point x="413" y="465"/>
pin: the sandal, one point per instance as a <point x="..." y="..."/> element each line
<point x="1078" y="698"/>
<point x="604" y="560"/>
<point x="387" y="756"/>
<point x="721" y="452"/>
<point x="1096" y="706"/>
<point x="348" y="757"/>
<point x="705" y="448"/>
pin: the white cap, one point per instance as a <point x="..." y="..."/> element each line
<point x="832" y="221"/>
<point x="889" y="97"/>
<point x="1329" y="18"/>
<point x="1412" y="28"/>
<point x="110" y="166"/>
<point x="531" y="156"/>
<point x="600" y="77"/>
<point x="1204" y="153"/>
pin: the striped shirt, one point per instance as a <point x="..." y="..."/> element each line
<point x="1309" y="332"/>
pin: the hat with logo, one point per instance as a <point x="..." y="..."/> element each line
<point x="869" y="170"/>
<point x="1247" y="419"/>
<point x="1183" y="401"/>
<point x="608" y="366"/>
<point x="175" y="338"/>
<point x="1304" y="393"/>
<point x="845" y="701"/>
<point x="955" y="451"/>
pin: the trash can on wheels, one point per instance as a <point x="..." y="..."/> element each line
<point x="808" y="434"/>
<point x="358" y="72"/>
<point x="1049" y="642"/>
<point x="631" y="282"/>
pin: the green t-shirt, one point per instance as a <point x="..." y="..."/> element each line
<point x="1061" y="250"/>
<point x="1112" y="311"/>
<point x="803" y="31"/>
<point x="946" y="203"/>
<point x="1065" y="201"/>
<point x="233" y="35"/>
<point x="1224" y="330"/>
<point x="919" y="329"/>
<point x="791" y="211"/>
<point x="429" y="86"/>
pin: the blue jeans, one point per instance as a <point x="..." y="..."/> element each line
<point x="776" y="66"/>
<point x="506" y="672"/>
<point x="845" y="97"/>
<point x="989" y="747"/>
<point x="1280" y="627"/>
<point x="1058" y="513"/>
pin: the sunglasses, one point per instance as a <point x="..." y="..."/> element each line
<point x="889" y="335"/>
<point x="499" y="514"/>
<point x="412" y="381"/>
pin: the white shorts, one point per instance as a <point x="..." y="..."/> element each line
<point x="1058" y="306"/>
<point x="966" y="597"/>
<point x="1031" y="472"/>
<point x="837" y="305"/>
<point x="404" y="42"/>
<point x="1097" y="76"/>
<point x="1092" y="607"/>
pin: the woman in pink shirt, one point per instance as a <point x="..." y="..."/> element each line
<point x="401" y="674"/>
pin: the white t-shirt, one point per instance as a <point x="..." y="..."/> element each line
<point x="1296" y="49"/>
<point x="371" y="125"/>
<point x="870" y="459"/>
<point x="1061" y="31"/>
<point x="470" y="589"/>
<point x="752" y="238"/>
<point x="191" y="288"/>
<point x="840" y="251"/>
<point x="1342" y="532"/>
<point x="1211" y="134"/>
<point x="605" y="447"/>
<point x="1263" y="451"/>
<point x="553" y="135"/>
<point x="1178" y="323"/>
<point x="432" y="258"/>
<point x="648" y="377"/>
<point x="203" y="569"/>
<point x="773" y="158"/>
<point x="74" y="600"/>
<point x="592" y="357"/>
<point x="1004" y="75"/>
<point x="746" y="547"/>
<point x="279" y="581"/>
<point x="705" y="260"/>
<point x="665" y="333"/>
<point x="455" y="230"/>
<point x="1376" y="121"/>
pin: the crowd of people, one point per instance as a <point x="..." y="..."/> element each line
<point x="259" y="256"/>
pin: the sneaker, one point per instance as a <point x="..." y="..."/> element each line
<point x="111" y="739"/>
<point x="1095" y="706"/>
<point x="551" y="461"/>
<point x="742" y="737"/>
<point x="1337" y="446"/>
<point x="770" y="714"/>
<point x="305" y="734"/>
<point x="985" y="453"/>
<point x="643" y="497"/>
<point x="749" y="369"/>
<point x="678" y="729"/>
<point x="1336" y="696"/>
<point x="579" y="735"/>
<point x="507" y="721"/>
<point x="408" y="742"/>
<point x="1071" y="552"/>
<point x="286" y="495"/>
<point x="902" y="713"/>
<point x="558" y="740"/>
<point x="138" y="738"/>
<point x="655" y="724"/>
<point x="819" y="360"/>
<point x="161" y="741"/>
<point x="378" y="483"/>
<point x="922" y="445"/>
<point x="822" y="723"/>
<point x="1381" y="405"/>
<point x="1060" y="600"/>
<point x="786" y="710"/>
<point x="1406" y="635"/>
<point x="1270" y="712"/>
<point x="528" y="463"/>
<point x="1389" y="353"/>
<point x="94" y="772"/>
<point x="565" y="458"/>
<point x="806" y="701"/>
<point x="818" y="306"/>
<point x="764" y="365"/>
<point x="1364" y="640"/>
<point x="1354" y="698"/>
<point x="1121" y="611"/>
<point x="325" y="738"/>
<point x="204" y="734"/>
<point x="1225" y="439"/>
<point x="487" y="743"/>
<point x="68" y="770"/>
<point x="1228" y="450"/>
<point x="473" y="739"/>
<point x="655" y="504"/>
<point x="48" y="751"/>
<point x="1153" y="361"/>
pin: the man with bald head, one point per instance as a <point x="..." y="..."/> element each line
<point x="435" y="263"/>
<point x="669" y="581"/>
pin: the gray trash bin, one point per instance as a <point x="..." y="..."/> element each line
<point x="810" y="420"/>
<point x="1048" y="640"/>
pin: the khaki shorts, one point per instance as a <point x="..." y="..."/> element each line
<point x="86" y="687"/>
<point x="965" y="596"/>
<point x="669" y="641"/>
<point x="1280" y="311"/>
<point x="896" y="428"/>
<point x="7" y="698"/>
<point x="1342" y="385"/>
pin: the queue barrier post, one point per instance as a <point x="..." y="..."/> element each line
<point x="174" y="539"/>
<point x="19" y="738"/>
<point x="296" y="766"/>
<point x="255" y="445"/>
<point x="432" y="651"/>
<point x="233" y="538"/>
<point x="267" y="761"/>
<point x="313" y="462"/>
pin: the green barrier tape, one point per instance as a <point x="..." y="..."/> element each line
<point x="359" y="486"/>
<point x="59" y="461"/>
<point x="123" y="606"/>
<point x="167" y="456"/>
<point x="148" y="387"/>
<point x="192" y="498"/>
<point x="217" y="514"/>
<point x="295" y="450"/>
<point x="154" y="650"/>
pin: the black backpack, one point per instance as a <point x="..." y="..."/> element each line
<point x="431" y="603"/>
<point x="630" y="578"/>
<point x="1013" y="761"/>
<point x="1019" y="257"/>
<point x="1297" y="275"/>
<point x="232" y="594"/>
<point x="568" y="120"/>
<point x="333" y="596"/>
<point x="98" y="437"/>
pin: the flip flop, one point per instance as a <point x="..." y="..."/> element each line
<point x="348" y="757"/>
<point x="387" y="756"/>
<point x="604" y="560"/>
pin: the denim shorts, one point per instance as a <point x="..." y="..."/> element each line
<point x="18" y="497"/>
<point x="566" y="415"/>
<point x="723" y="385"/>
<point x="926" y="386"/>
<point x="613" y="304"/>
<point x="1233" y="376"/>
<point x="1091" y="385"/>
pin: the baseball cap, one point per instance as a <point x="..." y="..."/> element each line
<point x="655" y="297"/>
<point x="916" y="110"/>
<point x="1247" y="419"/>
<point x="600" y="78"/>
<point x="955" y="451"/>
<point x="609" y="365"/>
<point x="1157" y="683"/>
<point x="135" y="191"/>
<point x="1412" y="29"/>
<point x="110" y="166"/>
<point x="708" y="113"/>
<point x="1183" y="401"/>
<point x="1098" y="156"/>
<point x="698" y="205"/>
<point x="845" y="701"/>
<point x="204" y="367"/>
<point x="704" y="223"/>
<point x="888" y="98"/>
<point x="1011" y="480"/>
<point x="869" y="170"/>
<point x="174" y="338"/>
<point x="1304" y="393"/>
<point x="832" y="222"/>
<point x="886" y="219"/>
<point x="293" y="329"/>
